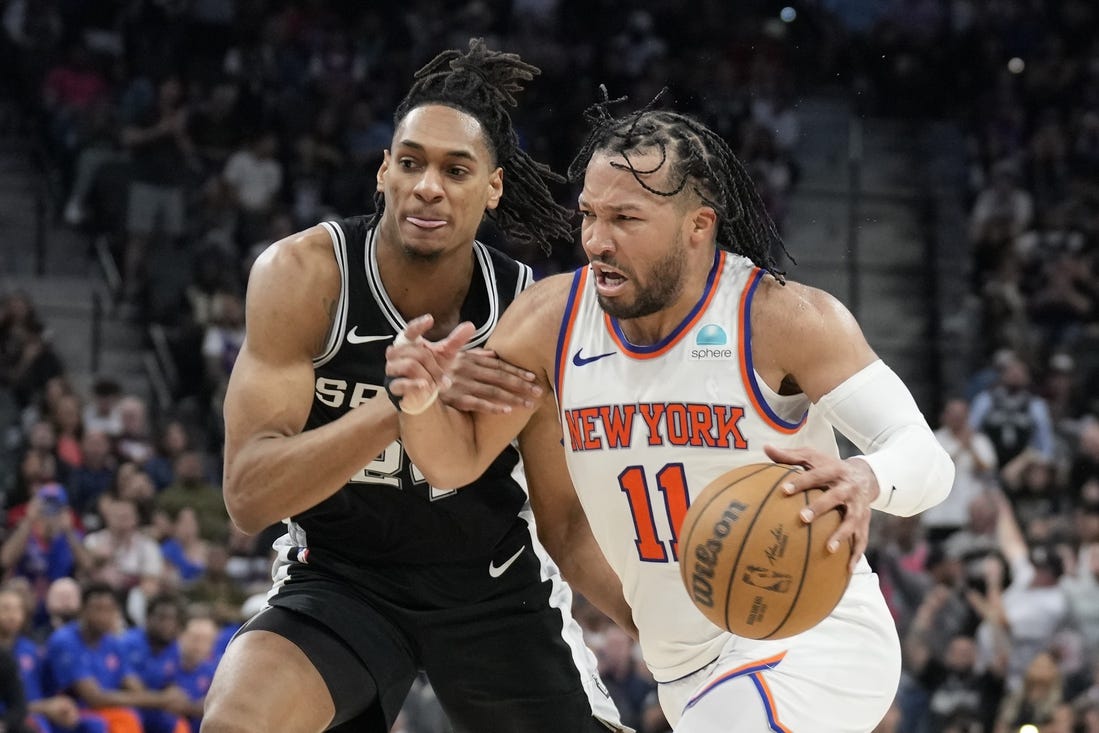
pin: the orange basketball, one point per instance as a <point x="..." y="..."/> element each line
<point x="748" y="561"/>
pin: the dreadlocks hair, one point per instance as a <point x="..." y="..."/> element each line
<point x="483" y="84"/>
<point x="696" y="157"/>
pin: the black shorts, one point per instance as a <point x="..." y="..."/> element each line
<point x="501" y="649"/>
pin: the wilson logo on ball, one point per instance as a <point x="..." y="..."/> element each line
<point x="749" y="562"/>
<point x="707" y="554"/>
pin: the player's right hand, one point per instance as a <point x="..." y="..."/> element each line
<point x="417" y="368"/>
<point x="483" y="382"/>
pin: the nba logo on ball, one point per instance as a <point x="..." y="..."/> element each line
<point x="712" y="344"/>
<point x="750" y="564"/>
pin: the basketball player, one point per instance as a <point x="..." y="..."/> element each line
<point x="383" y="575"/>
<point x="677" y="354"/>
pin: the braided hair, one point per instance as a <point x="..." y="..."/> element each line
<point x="697" y="158"/>
<point x="483" y="84"/>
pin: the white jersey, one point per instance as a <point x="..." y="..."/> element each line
<point x="646" y="428"/>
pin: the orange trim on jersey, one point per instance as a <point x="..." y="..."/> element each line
<point x="568" y="320"/>
<point x="769" y="703"/>
<point x="753" y="671"/>
<point x="659" y="349"/>
<point x="747" y="371"/>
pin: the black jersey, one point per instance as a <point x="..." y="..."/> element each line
<point x="387" y="513"/>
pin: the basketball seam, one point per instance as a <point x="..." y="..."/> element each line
<point x="804" y="572"/>
<point x="702" y="510"/>
<point x="747" y="533"/>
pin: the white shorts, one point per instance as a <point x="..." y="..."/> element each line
<point x="839" y="677"/>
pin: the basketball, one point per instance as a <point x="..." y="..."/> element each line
<point x="749" y="562"/>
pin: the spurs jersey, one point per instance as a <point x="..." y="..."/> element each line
<point x="387" y="513"/>
<point x="646" y="428"/>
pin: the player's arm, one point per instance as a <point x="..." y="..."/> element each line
<point x="450" y="447"/>
<point x="807" y="341"/>
<point x="562" y="525"/>
<point x="272" y="468"/>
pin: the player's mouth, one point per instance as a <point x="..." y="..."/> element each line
<point x="425" y="222"/>
<point x="609" y="281"/>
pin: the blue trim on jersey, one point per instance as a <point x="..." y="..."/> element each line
<point x="711" y="279"/>
<point x="768" y="706"/>
<point x="563" y="332"/>
<point x="746" y="335"/>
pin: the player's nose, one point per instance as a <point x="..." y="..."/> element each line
<point x="597" y="240"/>
<point x="430" y="185"/>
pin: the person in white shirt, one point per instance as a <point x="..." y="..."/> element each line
<point x="974" y="459"/>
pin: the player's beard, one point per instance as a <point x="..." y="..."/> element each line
<point x="663" y="284"/>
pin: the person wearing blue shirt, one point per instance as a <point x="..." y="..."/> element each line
<point x="197" y="663"/>
<point x="153" y="654"/>
<point x="88" y="660"/>
<point x="52" y="714"/>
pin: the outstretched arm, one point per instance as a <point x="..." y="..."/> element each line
<point x="450" y="447"/>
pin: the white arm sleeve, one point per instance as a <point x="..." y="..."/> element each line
<point x="876" y="412"/>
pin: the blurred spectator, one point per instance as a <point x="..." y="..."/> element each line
<point x="124" y="557"/>
<point x="135" y="485"/>
<point x="161" y="152"/>
<point x="1003" y="205"/>
<point x="133" y="442"/>
<point x="1035" y="605"/>
<point x="88" y="661"/>
<point x="215" y="126"/>
<point x="152" y="653"/>
<point x="222" y="342"/>
<point x="223" y="593"/>
<point x="254" y="178"/>
<point x="955" y="682"/>
<point x="95" y="477"/>
<point x="1031" y="485"/>
<point x="101" y="413"/>
<point x="58" y="712"/>
<point x="618" y="667"/>
<point x="974" y="459"/>
<point x="44" y="545"/>
<point x="1082" y="592"/>
<point x="1012" y="416"/>
<point x="66" y="419"/>
<point x="34" y="364"/>
<point x="184" y="550"/>
<point x="194" y="491"/>
<point x="63" y="599"/>
<point x="172" y="441"/>
<point x="1036" y="701"/>
<point x="1085" y="463"/>
<point x="196" y="665"/>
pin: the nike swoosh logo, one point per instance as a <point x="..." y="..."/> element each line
<point x="497" y="570"/>
<point x="581" y="361"/>
<point x="354" y="338"/>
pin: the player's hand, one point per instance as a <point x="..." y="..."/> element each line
<point x="849" y="484"/>
<point x="483" y="382"/>
<point x="418" y="368"/>
<point x="174" y="699"/>
<point x="63" y="710"/>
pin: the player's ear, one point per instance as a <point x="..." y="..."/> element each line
<point x="703" y="222"/>
<point x="382" y="170"/>
<point x="495" y="188"/>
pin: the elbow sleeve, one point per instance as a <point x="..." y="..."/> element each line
<point x="875" y="410"/>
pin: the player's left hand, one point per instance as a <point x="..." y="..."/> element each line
<point x="849" y="484"/>
<point x="483" y="382"/>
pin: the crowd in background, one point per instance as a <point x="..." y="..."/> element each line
<point x="190" y="134"/>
